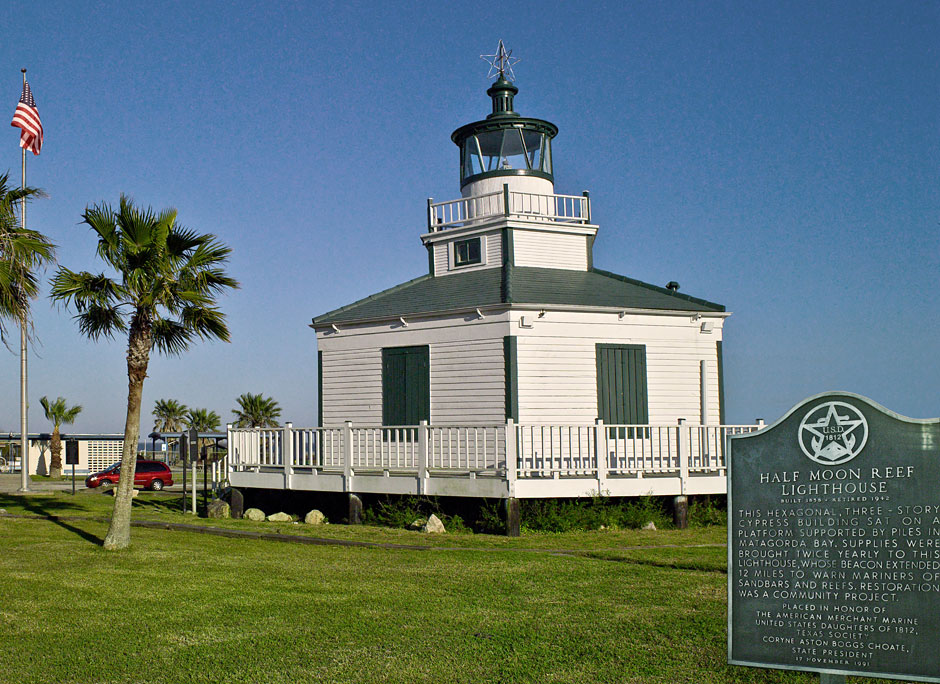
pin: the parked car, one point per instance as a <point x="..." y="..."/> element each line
<point x="148" y="474"/>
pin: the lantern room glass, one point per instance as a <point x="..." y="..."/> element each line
<point x="506" y="150"/>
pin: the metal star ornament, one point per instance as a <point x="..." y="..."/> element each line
<point x="501" y="62"/>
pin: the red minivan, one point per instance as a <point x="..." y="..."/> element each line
<point x="148" y="474"/>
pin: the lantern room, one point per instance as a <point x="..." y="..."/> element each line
<point x="505" y="148"/>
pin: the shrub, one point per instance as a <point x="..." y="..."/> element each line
<point x="707" y="512"/>
<point x="566" y="515"/>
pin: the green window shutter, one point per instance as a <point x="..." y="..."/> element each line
<point x="406" y="385"/>
<point x="621" y="384"/>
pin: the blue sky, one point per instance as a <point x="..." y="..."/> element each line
<point x="779" y="158"/>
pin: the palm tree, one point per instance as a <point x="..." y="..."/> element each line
<point x="169" y="415"/>
<point x="256" y="410"/>
<point x="203" y="420"/>
<point x="22" y="252"/>
<point x="59" y="413"/>
<point x="164" y="298"/>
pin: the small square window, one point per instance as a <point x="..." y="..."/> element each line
<point x="467" y="252"/>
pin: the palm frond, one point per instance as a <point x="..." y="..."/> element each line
<point x="83" y="289"/>
<point x="58" y="412"/>
<point x="206" y="322"/>
<point x="97" y="321"/>
<point x="170" y="337"/>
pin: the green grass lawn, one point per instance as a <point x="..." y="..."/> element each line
<point x="185" y="607"/>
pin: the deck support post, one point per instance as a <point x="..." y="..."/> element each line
<point x="680" y="505"/>
<point x="680" y="512"/>
<point x="512" y="456"/>
<point x="600" y="456"/>
<point x="513" y="517"/>
<point x="287" y="449"/>
<point x="683" y="445"/>
<point x="423" y="458"/>
<point x="347" y="456"/>
<point x="355" y="509"/>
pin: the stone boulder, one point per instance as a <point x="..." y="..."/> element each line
<point x="433" y="526"/>
<point x="218" y="509"/>
<point x="255" y="514"/>
<point x="113" y="492"/>
<point x="279" y="517"/>
<point x="650" y="526"/>
<point x="315" y="517"/>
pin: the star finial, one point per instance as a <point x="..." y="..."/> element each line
<point x="501" y="63"/>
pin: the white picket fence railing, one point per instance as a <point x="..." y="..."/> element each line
<point x="537" y="451"/>
<point x="513" y="204"/>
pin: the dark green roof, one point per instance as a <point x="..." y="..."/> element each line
<point x="515" y="285"/>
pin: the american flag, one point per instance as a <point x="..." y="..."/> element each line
<point x="26" y="118"/>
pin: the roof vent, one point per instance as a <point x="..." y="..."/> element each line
<point x="672" y="285"/>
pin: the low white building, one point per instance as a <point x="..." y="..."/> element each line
<point x="95" y="452"/>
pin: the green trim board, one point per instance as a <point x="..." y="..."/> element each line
<point x="319" y="389"/>
<point x="406" y="385"/>
<point x="509" y="256"/>
<point x="511" y="363"/>
<point x="514" y="285"/>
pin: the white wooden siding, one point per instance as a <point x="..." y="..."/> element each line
<point x="549" y="250"/>
<point x="352" y="386"/>
<point x="468" y="382"/>
<point x="467" y="374"/>
<point x="492" y="253"/>
<point x="558" y="371"/>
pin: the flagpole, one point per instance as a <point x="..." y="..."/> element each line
<point x="24" y="399"/>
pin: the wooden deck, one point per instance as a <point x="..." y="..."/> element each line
<point x="545" y="461"/>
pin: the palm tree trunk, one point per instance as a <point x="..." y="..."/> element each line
<point x="138" y="357"/>
<point x="55" y="449"/>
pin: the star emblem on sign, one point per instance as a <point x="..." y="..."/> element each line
<point x="833" y="433"/>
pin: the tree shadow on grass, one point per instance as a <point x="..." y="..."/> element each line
<point x="41" y="505"/>
<point x="46" y="508"/>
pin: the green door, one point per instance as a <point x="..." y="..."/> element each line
<point x="621" y="384"/>
<point x="406" y="385"/>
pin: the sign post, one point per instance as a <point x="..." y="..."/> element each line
<point x="183" y="451"/>
<point x="834" y="542"/>
<point x="71" y="457"/>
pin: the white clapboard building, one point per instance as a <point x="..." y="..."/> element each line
<point x="501" y="370"/>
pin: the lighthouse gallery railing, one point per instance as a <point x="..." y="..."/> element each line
<point x="508" y="203"/>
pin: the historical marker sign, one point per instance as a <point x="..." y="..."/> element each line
<point x="834" y="542"/>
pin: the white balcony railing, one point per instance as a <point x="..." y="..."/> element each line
<point x="526" y="206"/>
<point x="535" y="451"/>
